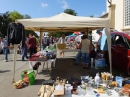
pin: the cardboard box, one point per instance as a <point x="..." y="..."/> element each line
<point x="61" y="46"/>
<point x="58" y="92"/>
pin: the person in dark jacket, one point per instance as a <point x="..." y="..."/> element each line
<point x="32" y="44"/>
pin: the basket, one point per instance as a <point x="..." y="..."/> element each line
<point x="18" y="87"/>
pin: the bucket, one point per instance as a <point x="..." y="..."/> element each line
<point x="30" y="74"/>
<point x="100" y="63"/>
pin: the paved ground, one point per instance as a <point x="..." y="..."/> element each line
<point x="6" y="71"/>
<point x="64" y="68"/>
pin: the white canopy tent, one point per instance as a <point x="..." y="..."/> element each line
<point x="64" y="22"/>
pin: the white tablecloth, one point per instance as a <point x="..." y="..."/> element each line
<point x="115" y="94"/>
<point x="68" y="53"/>
<point x="32" y="63"/>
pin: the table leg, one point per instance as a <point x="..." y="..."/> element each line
<point x="43" y="64"/>
<point x="37" y="68"/>
<point x="47" y="66"/>
<point x="32" y="68"/>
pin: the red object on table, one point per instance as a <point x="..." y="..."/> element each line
<point x="34" y="57"/>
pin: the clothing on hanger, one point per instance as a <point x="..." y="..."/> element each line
<point x="16" y="33"/>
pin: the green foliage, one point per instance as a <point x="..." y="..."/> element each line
<point x="4" y="21"/>
<point x="26" y="16"/>
<point x="70" y="11"/>
<point x="8" y="17"/>
<point x="15" y="15"/>
<point x="91" y="16"/>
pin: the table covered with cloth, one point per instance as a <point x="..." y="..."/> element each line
<point x="34" y="59"/>
<point x="114" y="94"/>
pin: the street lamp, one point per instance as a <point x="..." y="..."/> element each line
<point x="109" y="1"/>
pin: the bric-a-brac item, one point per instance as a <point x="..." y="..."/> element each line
<point x="15" y="34"/>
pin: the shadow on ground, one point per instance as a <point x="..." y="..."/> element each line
<point x="38" y="81"/>
<point x="3" y="71"/>
<point x="64" y="68"/>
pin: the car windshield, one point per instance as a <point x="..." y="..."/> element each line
<point x="128" y="42"/>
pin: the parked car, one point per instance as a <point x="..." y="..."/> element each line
<point x="120" y="46"/>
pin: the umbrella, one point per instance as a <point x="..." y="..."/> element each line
<point x="77" y="33"/>
<point x="72" y="35"/>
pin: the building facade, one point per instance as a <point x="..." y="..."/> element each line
<point x="122" y="14"/>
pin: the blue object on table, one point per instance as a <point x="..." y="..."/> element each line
<point x="119" y="80"/>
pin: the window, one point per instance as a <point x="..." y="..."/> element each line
<point x="120" y="41"/>
<point x="112" y="39"/>
<point x="128" y="43"/>
<point x="127" y="12"/>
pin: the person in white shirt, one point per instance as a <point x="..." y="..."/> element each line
<point x="62" y="40"/>
<point x="5" y="48"/>
<point x="78" y="39"/>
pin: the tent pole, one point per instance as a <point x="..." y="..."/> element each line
<point x="41" y="33"/>
<point x="111" y="17"/>
<point x="86" y="32"/>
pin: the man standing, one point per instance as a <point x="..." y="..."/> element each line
<point x="62" y="39"/>
<point x="44" y="43"/>
<point x="5" y="48"/>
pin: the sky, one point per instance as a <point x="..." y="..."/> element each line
<point x="46" y="8"/>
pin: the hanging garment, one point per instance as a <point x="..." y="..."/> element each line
<point x="104" y="46"/>
<point x="16" y="34"/>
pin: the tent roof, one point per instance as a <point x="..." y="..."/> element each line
<point x="64" y="22"/>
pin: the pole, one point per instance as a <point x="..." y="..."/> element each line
<point x="15" y="57"/>
<point x="41" y="33"/>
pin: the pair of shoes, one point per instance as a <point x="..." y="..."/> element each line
<point x="6" y="60"/>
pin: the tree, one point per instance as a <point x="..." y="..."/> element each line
<point x="15" y="15"/>
<point x="4" y="21"/>
<point x="70" y="11"/>
<point x="91" y="16"/>
<point x="26" y="16"/>
<point x="8" y="17"/>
